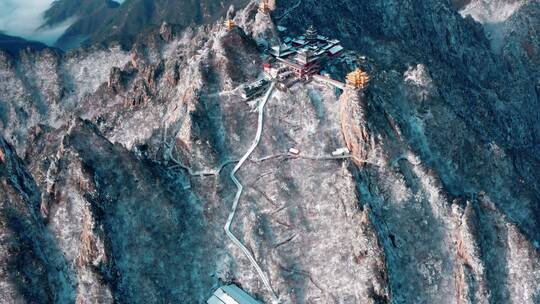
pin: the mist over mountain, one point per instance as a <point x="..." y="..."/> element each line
<point x="25" y="18"/>
<point x="107" y="20"/>
<point x="404" y="168"/>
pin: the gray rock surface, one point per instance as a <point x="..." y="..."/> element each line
<point x="100" y="150"/>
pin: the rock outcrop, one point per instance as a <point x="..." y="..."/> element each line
<point x="114" y="164"/>
<point x="354" y="125"/>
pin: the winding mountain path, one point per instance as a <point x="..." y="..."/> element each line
<point x="239" y="191"/>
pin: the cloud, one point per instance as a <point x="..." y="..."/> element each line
<point x="23" y="18"/>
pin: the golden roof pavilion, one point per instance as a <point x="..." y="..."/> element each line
<point x="358" y="79"/>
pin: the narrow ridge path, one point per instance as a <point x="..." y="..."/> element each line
<point x="239" y="191"/>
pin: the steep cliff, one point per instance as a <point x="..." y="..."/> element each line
<point x="118" y="162"/>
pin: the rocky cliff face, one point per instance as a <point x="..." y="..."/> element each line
<point x="115" y="164"/>
<point x="447" y="101"/>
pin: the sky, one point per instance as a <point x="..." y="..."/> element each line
<point x="24" y="17"/>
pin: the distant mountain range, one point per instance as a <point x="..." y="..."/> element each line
<point x="13" y="44"/>
<point x="105" y="20"/>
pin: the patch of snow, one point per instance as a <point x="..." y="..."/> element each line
<point x="432" y="191"/>
<point x="489" y="11"/>
<point x="418" y="78"/>
<point x="86" y="74"/>
<point x="492" y="14"/>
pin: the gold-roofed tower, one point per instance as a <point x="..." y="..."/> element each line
<point x="264" y="7"/>
<point x="358" y="79"/>
<point x="230" y="24"/>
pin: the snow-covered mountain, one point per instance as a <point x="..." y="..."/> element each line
<point x="115" y="161"/>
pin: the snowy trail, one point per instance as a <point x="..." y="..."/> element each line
<point x="239" y="191"/>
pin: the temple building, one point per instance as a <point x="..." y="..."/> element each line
<point x="311" y="34"/>
<point x="309" y="63"/>
<point x="357" y="79"/>
<point x="282" y="50"/>
<point x="231" y="294"/>
<point x="230" y="24"/>
<point x="255" y="89"/>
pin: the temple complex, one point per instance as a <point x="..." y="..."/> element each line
<point x="304" y="54"/>
<point x="301" y="59"/>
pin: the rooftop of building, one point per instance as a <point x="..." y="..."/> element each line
<point x="318" y="46"/>
<point x="231" y="294"/>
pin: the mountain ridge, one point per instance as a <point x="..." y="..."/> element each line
<point x="443" y="210"/>
<point x="13" y="45"/>
<point x="106" y="21"/>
